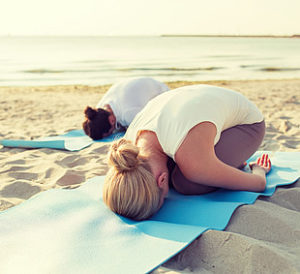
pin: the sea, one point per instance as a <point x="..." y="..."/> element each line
<point x="36" y="61"/>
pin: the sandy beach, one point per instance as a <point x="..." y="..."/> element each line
<point x="260" y="238"/>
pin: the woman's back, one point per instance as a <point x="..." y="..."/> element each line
<point x="127" y="98"/>
<point x="173" y="114"/>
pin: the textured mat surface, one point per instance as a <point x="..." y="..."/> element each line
<point x="72" y="231"/>
<point x="72" y="141"/>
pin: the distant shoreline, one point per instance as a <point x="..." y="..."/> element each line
<point x="158" y="35"/>
<point x="231" y="36"/>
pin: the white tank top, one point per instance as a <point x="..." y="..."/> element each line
<point x="171" y="115"/>
<point x="128" y="97"/>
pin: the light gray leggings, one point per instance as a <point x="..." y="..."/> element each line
<point x="235" y="146"/>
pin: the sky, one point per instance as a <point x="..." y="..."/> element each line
<point x="149" y="17"/>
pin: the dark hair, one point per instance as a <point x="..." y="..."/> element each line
<point x="96" y="122"/>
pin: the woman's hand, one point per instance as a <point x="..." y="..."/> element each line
<point x="263" y="163"/>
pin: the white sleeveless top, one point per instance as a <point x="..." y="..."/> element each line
<point x="171" y="115"/>
<point x="127" y="98"/>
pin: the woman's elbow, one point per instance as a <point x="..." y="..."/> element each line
<point x="261" y="185"/>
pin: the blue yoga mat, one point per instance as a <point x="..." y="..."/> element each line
<point x="72" y="231"/>
<point x="73" y="140"/>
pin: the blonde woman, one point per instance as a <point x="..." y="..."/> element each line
<point x="207" y="132"/>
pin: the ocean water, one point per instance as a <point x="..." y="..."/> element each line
<point x="29" y="61"/>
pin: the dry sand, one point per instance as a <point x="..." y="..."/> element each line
<point x="260" y="238"/>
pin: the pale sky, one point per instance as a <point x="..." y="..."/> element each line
<point x="149" y="17"/>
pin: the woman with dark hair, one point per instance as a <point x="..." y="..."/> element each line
<point x="99" y="123"/>
<point x="209" y="132"/>
<point x="119" y="105"/>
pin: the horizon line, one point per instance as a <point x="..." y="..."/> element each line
<point x="156" y="35"/>
<point x="233" y="35"/>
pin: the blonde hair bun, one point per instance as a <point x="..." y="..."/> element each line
<point x="123" y="155"/>
<point x="130" y="188"/>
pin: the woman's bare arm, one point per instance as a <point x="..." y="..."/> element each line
<point x="197" y="161"/>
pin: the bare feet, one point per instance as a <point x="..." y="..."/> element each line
<point x="263" y="162"/>
<point x="242" y="165"/>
